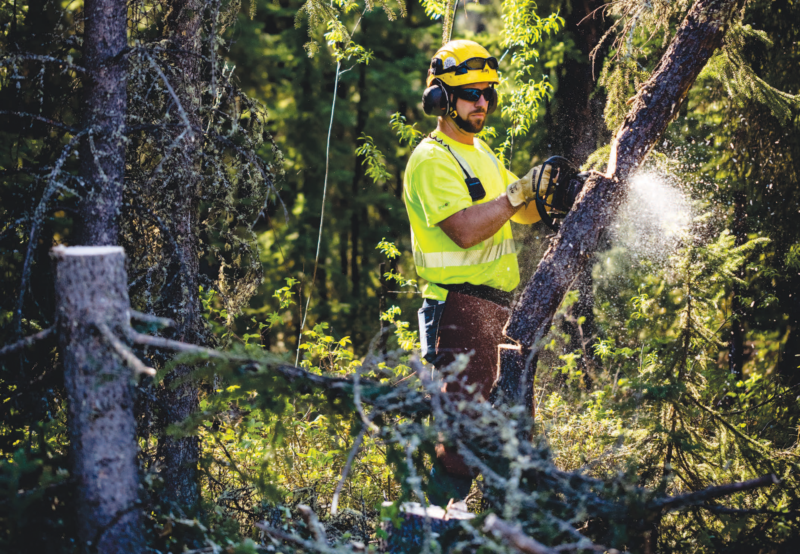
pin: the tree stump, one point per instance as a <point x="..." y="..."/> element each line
<point x="92" y="297"/>
<point x="410" y="537"/>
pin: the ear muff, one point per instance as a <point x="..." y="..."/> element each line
<point x="436" y="100"/>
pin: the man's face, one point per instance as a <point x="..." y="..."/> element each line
<point x="473" y="114"/>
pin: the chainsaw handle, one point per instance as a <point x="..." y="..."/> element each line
<point x="561" y="168"/>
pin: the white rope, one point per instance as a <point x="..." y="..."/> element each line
<point x="322" y="213"/>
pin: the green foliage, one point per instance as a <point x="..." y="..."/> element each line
<point x="523" y="30"/>
<point x="658" y="406"/>
<point x="388" y="249"/>
<point x="407" y="339"/>
<point x="405" y="132"/>
<point x="376" y="169"/>
<point x="730" y="68"/>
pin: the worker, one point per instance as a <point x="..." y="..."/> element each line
<point x="460" y="199"/>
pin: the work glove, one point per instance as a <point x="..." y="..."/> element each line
<point x="521" y="191"/>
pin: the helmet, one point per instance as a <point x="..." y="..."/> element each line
<point x="463" y="62"/>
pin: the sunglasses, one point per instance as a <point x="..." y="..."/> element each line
<point x="471" y="64"/>
<point x="474" y="94"/>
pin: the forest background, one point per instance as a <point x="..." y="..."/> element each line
<point x="673" y="365"/>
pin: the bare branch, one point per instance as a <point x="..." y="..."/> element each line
<point x="723" y="510"/>
<point x="294" y="539"/>
<point x="52" y="187"/>
<point x="123" y="351"/>
<point x="26" y="342"/>
<point x="38" y="58"/>
<point x="346" y="469"/>
<point x="152" y="319"/>
<point x="313" y="524"/>
<point x="172" y="93"/>
<point x="695" y="498"/>
<point x="515" y="537"/>
<point x="332" y="385"/>
<point x="42" y="119"/>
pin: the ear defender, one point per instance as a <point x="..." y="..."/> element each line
<point x="436" y="100"/>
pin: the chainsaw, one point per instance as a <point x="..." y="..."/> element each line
<point x="554" y="200"/>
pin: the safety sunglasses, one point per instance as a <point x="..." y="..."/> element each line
<point x="474" y="94"/>
<point x="471" y="64"/>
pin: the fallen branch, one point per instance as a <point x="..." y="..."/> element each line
<point x="515" y="537"/>
<point x="26" y="342"/>
<point x="724" y="510"/>
<point x="372" y="393"/>
<point x="313" y="524"/>
<point x="697" y="498"/>
<point x="294" y="539"/>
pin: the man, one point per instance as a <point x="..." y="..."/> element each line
<point x="459" y="200"/>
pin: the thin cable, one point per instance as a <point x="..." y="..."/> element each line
<point x="322" y="213"/>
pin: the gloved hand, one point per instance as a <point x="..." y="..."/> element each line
<point x="521" y="191"/>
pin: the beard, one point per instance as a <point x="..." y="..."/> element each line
<point x="469" y="126"/>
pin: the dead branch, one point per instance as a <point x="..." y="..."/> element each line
<point x="700" y="497"/>
<point x="346" y="469"/>
<point x="135" y="363"/>
<point x="38" y="215"/>
<point x="26" y="342"/>
<point x="42" y="119"/>
<point x="523" y="543"/>
<point x="313" y="524"/>
<point x="294" y="539"/>
<point x="173" y="94"/>
<point x="39" y="58"/>
<point x="152" y="319"/>
<point x="743" y="512"/>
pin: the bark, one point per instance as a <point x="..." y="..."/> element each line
<point x="655" y="105"/>
<point x="102" y="151"/>
<point x="181" y="300"/>
<point x="91" y="291"/>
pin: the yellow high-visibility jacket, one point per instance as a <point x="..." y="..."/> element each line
<point x="433" y="190"/>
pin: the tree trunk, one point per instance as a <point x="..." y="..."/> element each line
<point x="180" y="300"/>
<point x="655" y="105"/>
<point x="91" y="291"/>
<point x="358" y="174"/>
<point x="102" y="151"/>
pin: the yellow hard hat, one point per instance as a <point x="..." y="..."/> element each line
<point x="463" y="62"/>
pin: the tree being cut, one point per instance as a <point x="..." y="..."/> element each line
<point x="655" y="105"/>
